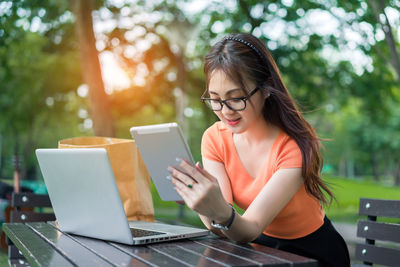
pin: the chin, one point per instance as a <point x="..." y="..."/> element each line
<point x="237" y="129"/>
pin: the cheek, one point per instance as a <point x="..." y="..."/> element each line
<point x="258" y="106"/>
<point x="253" y="110"/>
<point x="218" y="114"/>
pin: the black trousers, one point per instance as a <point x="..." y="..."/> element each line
<point x="325" y="245"/>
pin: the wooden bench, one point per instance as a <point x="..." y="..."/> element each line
<point x="387" y="251"/>
<point x="23" y="210"/>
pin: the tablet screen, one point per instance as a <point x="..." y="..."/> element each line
<point x="160" y="145"/>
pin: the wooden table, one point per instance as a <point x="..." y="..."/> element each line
<point x="42" y="244"/>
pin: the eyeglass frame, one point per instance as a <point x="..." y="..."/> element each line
<point x="224" y="102"/>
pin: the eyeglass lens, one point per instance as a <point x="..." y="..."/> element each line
<point x="234" y="104"/>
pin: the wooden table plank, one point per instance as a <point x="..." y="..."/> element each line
<point x="108" y="252"/>
<point x="215" y="255"/>
<point x="248" y="254"/>
<point x="298" y="260"/>
<point x="78" y="254"/>
<point x="150" y="256"/>
<point x="261" y="253"/>
<point x="36" y="250"/>
<point x="105" y="250"/>
<point x="180" y="251"/>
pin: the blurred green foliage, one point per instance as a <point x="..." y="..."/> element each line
<point x="352" y="101"/>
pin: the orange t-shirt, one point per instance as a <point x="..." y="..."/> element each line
<point x="301" y="216"/>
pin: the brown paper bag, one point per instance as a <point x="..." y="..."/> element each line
<point x="131" y="175"/>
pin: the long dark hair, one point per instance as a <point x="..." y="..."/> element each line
<point x="244" y="57"/>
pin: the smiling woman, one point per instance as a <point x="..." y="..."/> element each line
<point x="262" y="155"/>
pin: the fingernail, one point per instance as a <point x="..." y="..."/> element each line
<point x="168" y="177"/>
<point x="178" y="160"/>
<point x="170" y="169"/>
<point x="199" y="164"/>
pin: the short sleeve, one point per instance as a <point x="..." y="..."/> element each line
<point x="289" y="155"/>
<point x="211" y="145"/>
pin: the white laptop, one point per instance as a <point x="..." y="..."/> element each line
<point x="86" y="200"/>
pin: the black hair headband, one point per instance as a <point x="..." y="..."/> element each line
<point x="249" y="45"/>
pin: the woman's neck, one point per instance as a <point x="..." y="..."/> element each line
<point x="258" y="133"/>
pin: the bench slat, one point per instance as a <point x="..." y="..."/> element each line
<point x="29" y="216"/>
<point x="379" y="207"/>
<point x="67" y="246"/>
<point x="18" y="263"/>
<point x="379" y="231"/>
<point x="36" y="250"/>
<point x="30" y="200"/>
<point x="377" y="255"/>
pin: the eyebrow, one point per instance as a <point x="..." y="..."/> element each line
<point x="227" y="93"/>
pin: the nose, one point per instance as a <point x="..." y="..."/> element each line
<point x="226" y="110"/>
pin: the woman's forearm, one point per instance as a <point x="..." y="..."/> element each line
<point x="207" y="222"/>
<point x="242" y="230"/>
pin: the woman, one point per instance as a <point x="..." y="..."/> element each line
<point x="262" y="155"/>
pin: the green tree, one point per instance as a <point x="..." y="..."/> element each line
<point x="36" y="56"/>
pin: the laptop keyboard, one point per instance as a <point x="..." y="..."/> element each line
<point x="140" y="232"/>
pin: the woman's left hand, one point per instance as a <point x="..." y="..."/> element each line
<point x="200" y="191"/>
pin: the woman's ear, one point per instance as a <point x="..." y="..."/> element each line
<point x="266" y="92"/>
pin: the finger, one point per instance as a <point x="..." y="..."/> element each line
<point x="188" y="188"/>
<point x="183" y="192"/>
<point x="187" y="195"/>
<point x="192" y="171"/>
<point x="183" y="177"/>
<point x="182" y="196"/>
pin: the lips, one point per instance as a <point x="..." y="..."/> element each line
<point x="233" y="122"/>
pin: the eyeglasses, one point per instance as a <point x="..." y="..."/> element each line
<point x="235" y="103"/>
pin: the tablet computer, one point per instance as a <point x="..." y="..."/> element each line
<point x="160" y="145"/>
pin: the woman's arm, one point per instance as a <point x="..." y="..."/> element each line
<point x="275" y="195"/>
<point x="217" y="169"/>
<point x="206" y="198"/>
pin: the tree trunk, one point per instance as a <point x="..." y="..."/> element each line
<point x="375" y="166"/>
<point x="342" y="167"/>
<point x="1" y="155"/>
<point x="180" y="103"/>
<point x="180" y="99"/>
<point x="99" y="107"/>
<point x="396" y="173"/>
<point x="391" y="42"/>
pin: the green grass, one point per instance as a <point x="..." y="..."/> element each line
<point x="348" y="193"/>
<point x="3" y="258"/>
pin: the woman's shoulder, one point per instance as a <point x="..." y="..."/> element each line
<point x="213" y="142"/>
<point x="287" y="152"/>
<point x="285" y="144"/>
